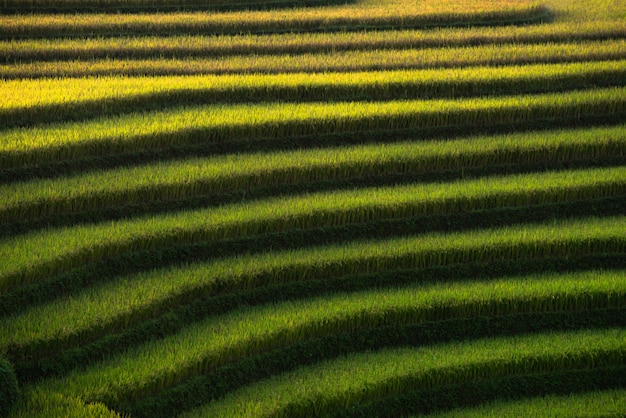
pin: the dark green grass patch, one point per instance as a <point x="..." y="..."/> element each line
<point x="93" y="273"/>
<point x="9" y="388"/>
<point x="570" y="382"/>
<point x="211" y="386"/>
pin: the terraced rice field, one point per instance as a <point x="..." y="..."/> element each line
<point x="295" y="208"/>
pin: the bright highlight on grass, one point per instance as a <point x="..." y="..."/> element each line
<point x="195" y="126"/>
<point x="361" y="378"/>
<point x="36" y="255"/>
<point x="346" y="61"/>
<point x="313" y="207"/>
<point x="197" y="177"/>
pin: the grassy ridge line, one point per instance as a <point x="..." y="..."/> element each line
<point x="204" y="388"/>
<point x="72" y="167"/>
<point x="176" y="285"/>
<point x="108" y="269"/>
<point x="51" y="328"/>
<point x="39" y="404"/>
<point x="152" y="6"/>
<point x="222" y="123"/>
<point x="130" y="395"/>
<point x="215" y="384"/>
<point x="367" y="60"/>
<point x="174" y="46"/>
<point x="36" y="255"/>
<point x="211" y="176"/>
<point x="129" y="376"/>
<point x="503" y="389"/>
<point x="398" y="16"/>
<point x="173" y="318"/>
<point x="361" y="377"/>
<point x="105" y="213"/>
<point x="597" y="403"/>
<point x="42" y="101"/>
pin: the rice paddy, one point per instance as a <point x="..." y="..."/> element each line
<point x="312" y="208"/>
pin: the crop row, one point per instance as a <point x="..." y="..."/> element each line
<point x="156" y="365"/>
<point x="39" y="101"/>
<point x="470" y="394"/>
<point x="60" y="284"/>
<point x="107" y="309"/>
<point x="217" y="125"/>
<point x="363" y="377"/>
<point x="367" y="60"/>
<point x="606" y="403"/>
<point x="37" y="254"/>
<point x="206" y="388"/>
<point x="169" y="287"/>
<point x="147" y="6"/>
<point x="291" y="43"/>
<point x="185" y="179"/>
<point x="379" y="208"/>
<point x="399" y="14"/>
<point x="222" y="380"/>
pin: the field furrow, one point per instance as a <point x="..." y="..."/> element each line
<point x="398" y="14"/>
<point x="346" y="61"/>
<point x="607" y="403"/>
<point x="195" y="178"/>
<point x="108" y="309"/>
<point x="41" y="101"/>
<point x="312" y="208"/>
<point x="46" y="252"/>
<point x="443" y="364"/>
<point x="177" y="46"/>
<point x="220" y="125"/>
<point x="390" y="372"/>
<point x="142" y="6"/>
<point x="60" y="285"/>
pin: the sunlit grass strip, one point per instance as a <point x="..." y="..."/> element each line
<point x="362" y="377"/>
<point x="402" y="14"/>
<point x="429" y="6"/>
<point x="32" y="257"/>
<point x="38" y="101"/>
<point x="165" y="362"/>
<point x="142" y="6"/>
<point x="288" y="43"/>
<point x="591" y="10"/>
<point x="173" y="317"/>
<point x="108" y="308"/>
<point x="40" y="404"/>
<point x="608" y="403"/>
<point x="246" y="371"/>
<point x="221" y="123"/>
<point x="80" y="92"/>
<point x="366" y="60"/>
<point x="178" y="180"/>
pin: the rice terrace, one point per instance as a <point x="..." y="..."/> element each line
<point x="296" y="208"/>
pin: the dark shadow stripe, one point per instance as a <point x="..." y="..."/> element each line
<point x="87" y="110"/>
<point x="66" y="283"/>
<point x="158" y="325"/>
<point x="510" y="388"/>
<point x="208" y="50"/>
<point x="201" y="389"/>
<point x="197" y="146"/>
<point x="535" y="15"/>
<point x="128" y="7"/>
<point x="106" y="213"/>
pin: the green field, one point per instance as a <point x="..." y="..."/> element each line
<point x="294" y="208"/>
